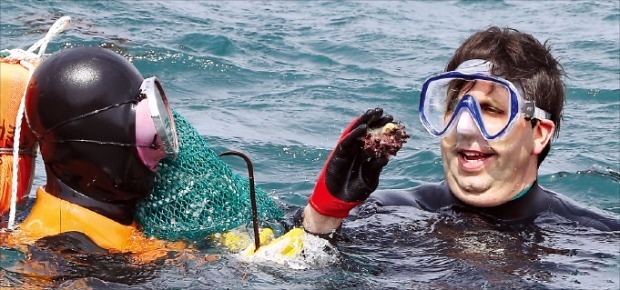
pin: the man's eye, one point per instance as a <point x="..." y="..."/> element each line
<point x="492" y="110"/>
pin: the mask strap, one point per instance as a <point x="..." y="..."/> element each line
<point x="136" y="100"/>
<point x="532" y="112"/>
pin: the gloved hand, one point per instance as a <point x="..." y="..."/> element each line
<point x="349" y="175"/>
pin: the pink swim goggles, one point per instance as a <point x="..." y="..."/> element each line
<point x="156" y="136"/>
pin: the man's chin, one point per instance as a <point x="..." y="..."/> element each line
<point x="469" y="185"/>
<point x="475" y="194"/>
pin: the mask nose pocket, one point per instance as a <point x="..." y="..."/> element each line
<point x="465" y="124"/>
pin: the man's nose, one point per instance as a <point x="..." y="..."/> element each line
<point x="466" y="125"/>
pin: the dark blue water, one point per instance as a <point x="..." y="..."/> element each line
<point x="278" y="80"/>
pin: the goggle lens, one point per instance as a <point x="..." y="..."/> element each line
<point x="161" y="115"/>
<point x="489" y="102"/>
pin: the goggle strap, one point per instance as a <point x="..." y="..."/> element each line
<point x="541" y="114"/>
<point x="97" y="142"/>
<point x="532" y="112"/>
<point x="82" y="116"/>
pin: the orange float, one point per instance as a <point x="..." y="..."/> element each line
<point x="13" y="81"/>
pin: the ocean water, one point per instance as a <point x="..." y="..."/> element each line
<point x="278" y="80"/>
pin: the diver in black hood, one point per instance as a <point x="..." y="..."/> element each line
<point x="102" y="129"/>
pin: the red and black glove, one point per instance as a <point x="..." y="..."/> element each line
<point x="349" y="175"/>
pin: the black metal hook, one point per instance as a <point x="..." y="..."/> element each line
<point x="252" y="194"/>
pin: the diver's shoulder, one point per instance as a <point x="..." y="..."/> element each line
<point x="428" y="196"/>
<point x="570" y="209"/>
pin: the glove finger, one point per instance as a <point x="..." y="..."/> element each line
<point x="370" y="116"/>
<point x="376" y="164"/>
<point x="380" y="122"/>
<point x="351" y="143"/>
<point x="356" y="134"/>
<point x="372" y="169"/>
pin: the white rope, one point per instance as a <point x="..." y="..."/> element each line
<point x="61" y="24"/>
<point x="28" y="59"/>
<point x="18" y="125"/>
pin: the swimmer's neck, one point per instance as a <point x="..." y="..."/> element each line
<point x="524" y="191"/>
<point x="528" y="204"/>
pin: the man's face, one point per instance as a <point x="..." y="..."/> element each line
<point x="488" y="173"/>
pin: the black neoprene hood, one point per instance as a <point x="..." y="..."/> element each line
<point x="81" y="106"/>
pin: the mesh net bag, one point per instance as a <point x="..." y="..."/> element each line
<point x="197" y="194"/>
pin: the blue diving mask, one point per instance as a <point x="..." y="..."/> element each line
<point x="495" y="104"/>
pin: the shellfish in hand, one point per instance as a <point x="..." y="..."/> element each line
<point x="385" y="141"/>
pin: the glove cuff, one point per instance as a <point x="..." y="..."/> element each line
<point x="328" y="205"/>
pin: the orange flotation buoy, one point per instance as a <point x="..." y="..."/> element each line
<point x="13" y="81"/>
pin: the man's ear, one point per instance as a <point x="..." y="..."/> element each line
<point x="543" y="131"/>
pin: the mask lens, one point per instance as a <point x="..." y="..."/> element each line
<point x="161" y="115"/>
<point x="149" y="147"/>
<point x="494" y="105"/>
<point x="439" y="102"/>
<point x="489" y="101"/>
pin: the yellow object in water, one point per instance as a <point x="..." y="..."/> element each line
<point x="287" y="246"/>
<point x="236" y="240"/>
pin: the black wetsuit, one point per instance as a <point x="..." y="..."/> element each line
<point x="436" y="196"/>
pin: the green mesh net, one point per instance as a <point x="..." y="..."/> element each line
<point x="197" y="194"/>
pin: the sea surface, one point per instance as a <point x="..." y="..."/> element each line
<point x="278" y="80"/>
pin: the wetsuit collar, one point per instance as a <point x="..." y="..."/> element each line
<point x="527" y="206"/>
<point x="122" y="213"/>
<point x="51" y="215"/>
<point x="523" y="192"/>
